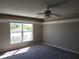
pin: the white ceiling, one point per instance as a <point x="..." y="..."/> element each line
<point x="30" y="8"/>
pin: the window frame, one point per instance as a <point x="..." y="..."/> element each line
<point x="22" y="40"/>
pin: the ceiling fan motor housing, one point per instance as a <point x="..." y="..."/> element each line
<point x="48" y="13"/>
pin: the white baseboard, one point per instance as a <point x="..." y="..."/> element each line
<point x="62" y="48"/>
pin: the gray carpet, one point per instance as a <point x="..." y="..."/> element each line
<point x="44" y="52"/>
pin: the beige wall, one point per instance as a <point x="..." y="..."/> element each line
<point x="37" y="32"/>
<point x="62" y="34"/>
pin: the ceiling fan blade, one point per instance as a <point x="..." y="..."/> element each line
<point x="41" y="13"/>
<point x="55" y="14"/>
<point x="58" y="3"/>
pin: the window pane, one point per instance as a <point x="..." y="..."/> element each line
<point x="15" y="33"/>
<point x="27" y="32"/>
<point x="15" y="38"/>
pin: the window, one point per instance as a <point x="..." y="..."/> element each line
<point x="21" y="32"/>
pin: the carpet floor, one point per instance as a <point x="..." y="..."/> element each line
<point x="39" y="52"/>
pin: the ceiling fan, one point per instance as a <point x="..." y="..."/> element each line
<point x="48" y="12"/>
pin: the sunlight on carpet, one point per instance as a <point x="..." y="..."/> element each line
<point x="14" y="52"/>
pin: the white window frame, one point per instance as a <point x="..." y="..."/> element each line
<point x="21" y="33"/>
